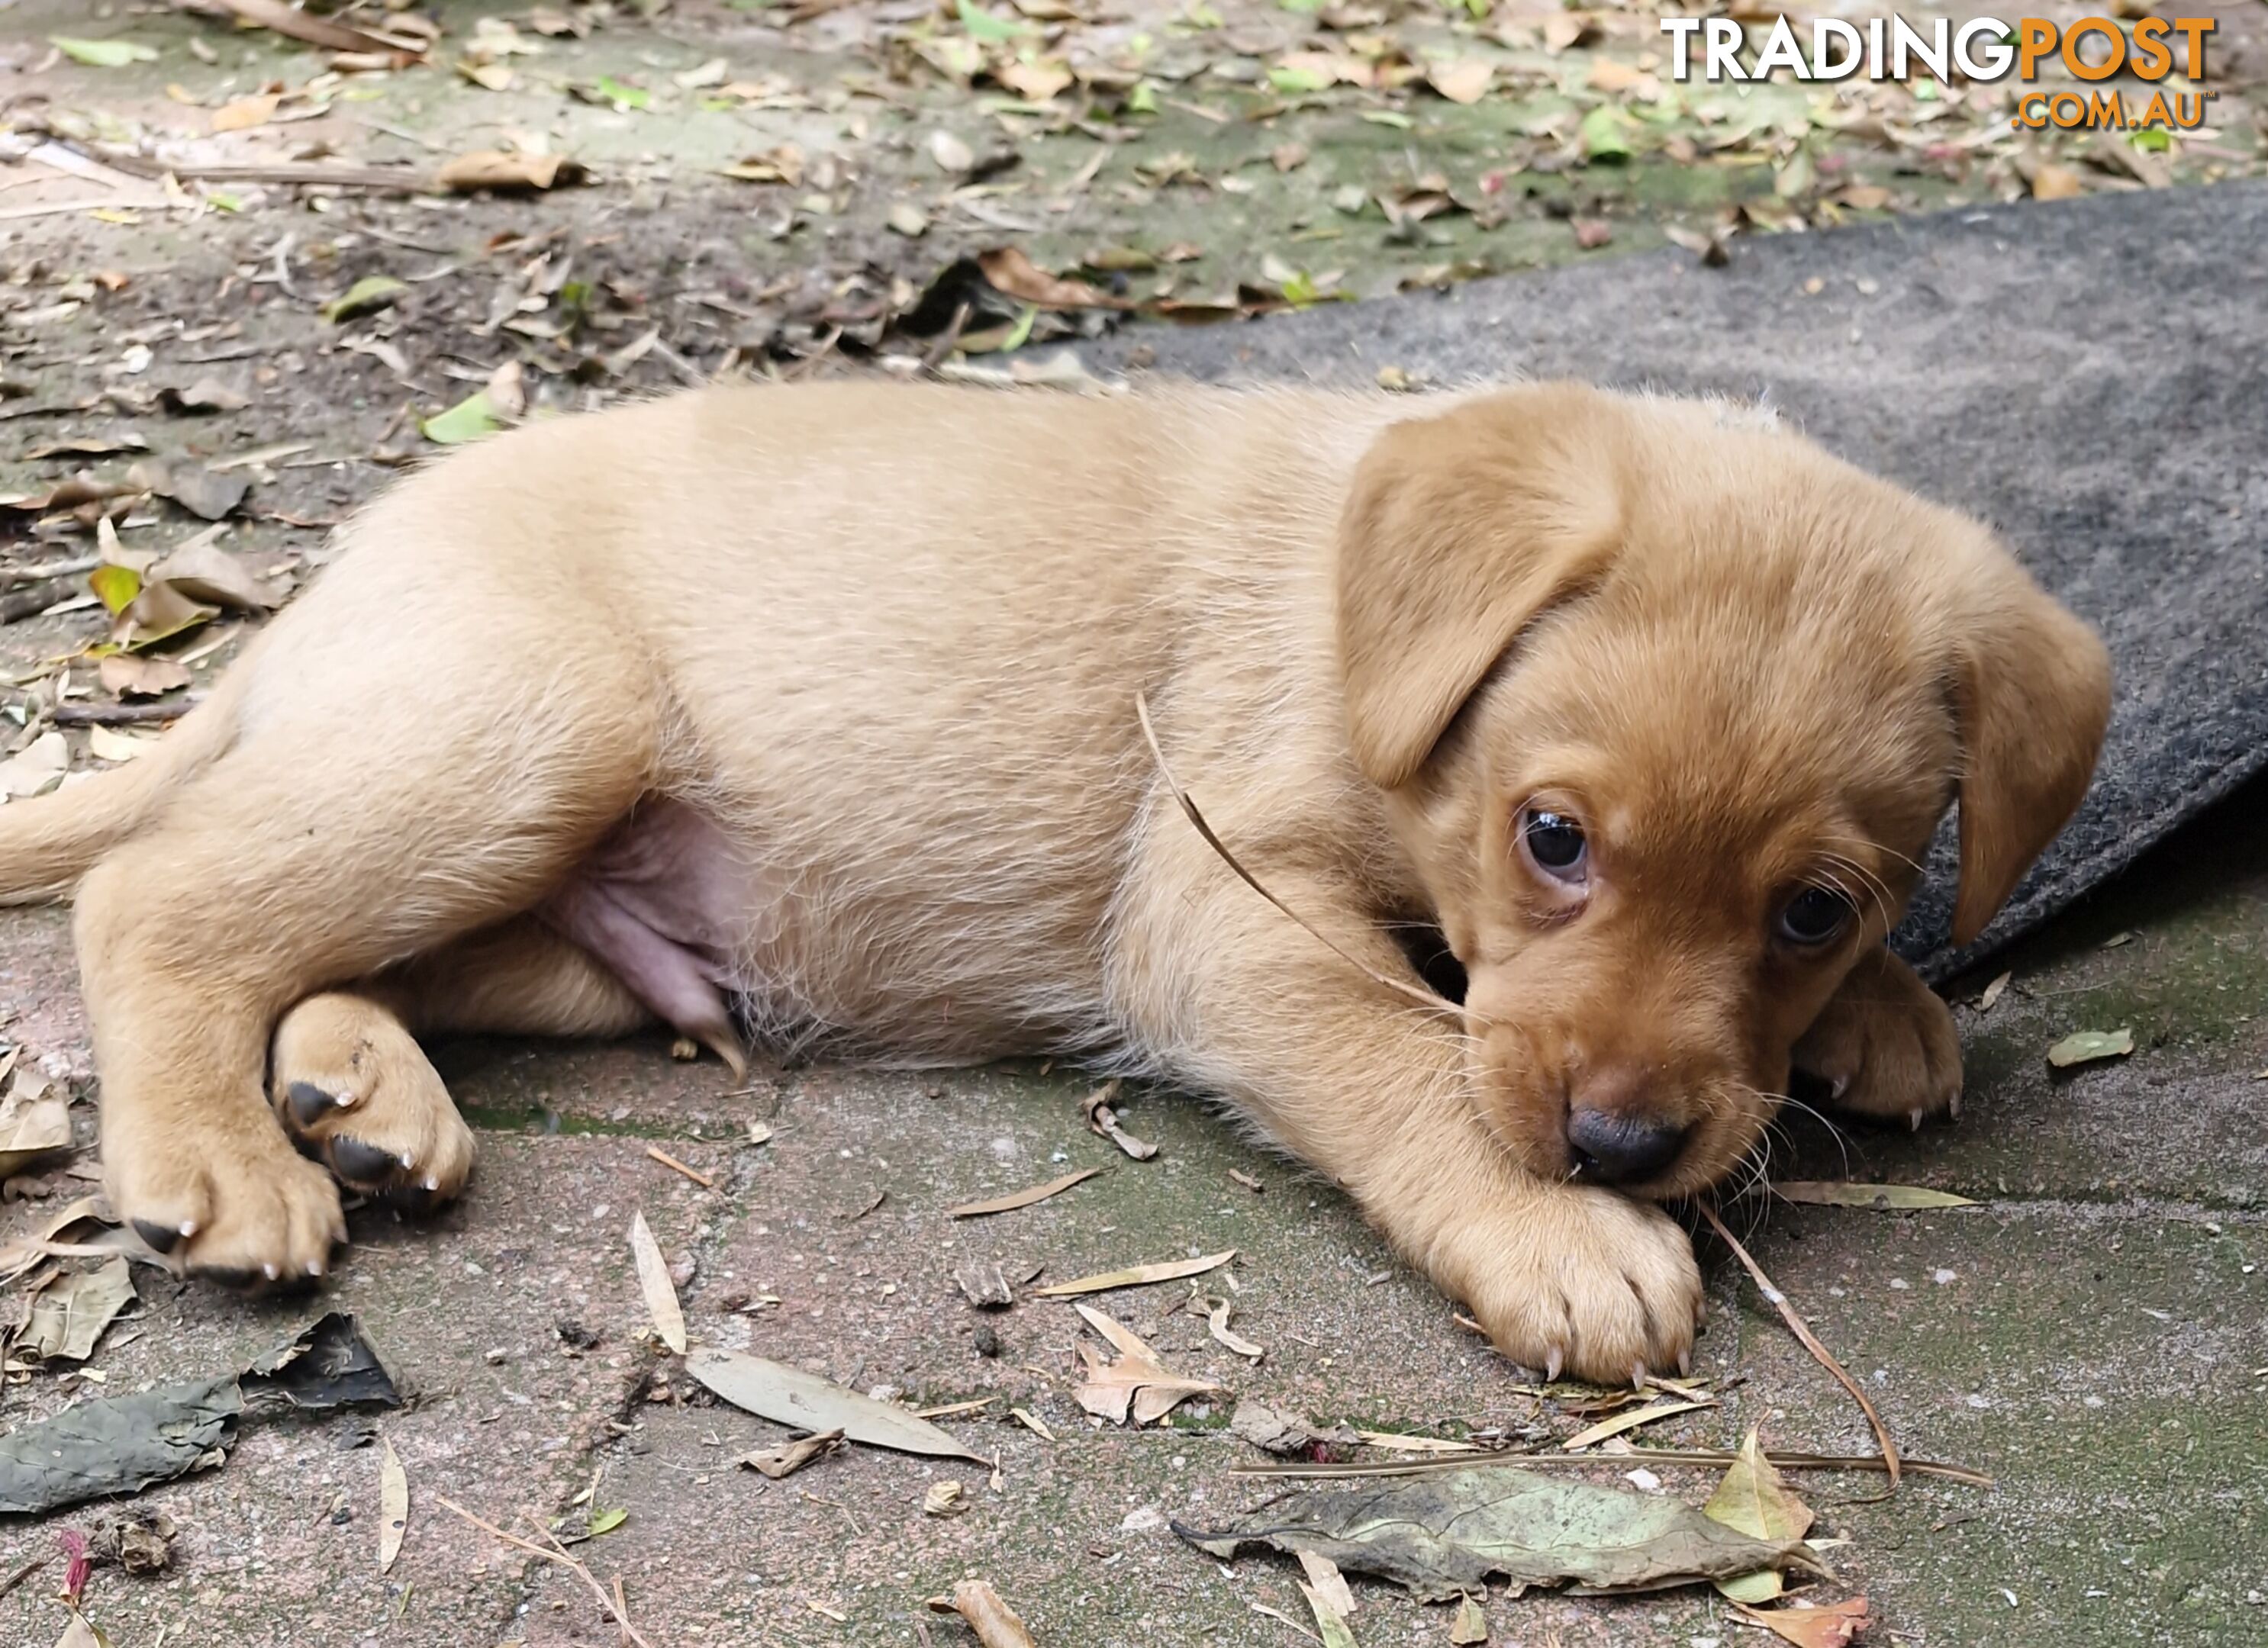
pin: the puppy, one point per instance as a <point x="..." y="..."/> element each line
<point x="811" y="712"/>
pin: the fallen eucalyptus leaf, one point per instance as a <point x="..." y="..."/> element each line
<point x="1102" y="1120"/>
<point x="371" y="293"/>
<point x="393" y="1506"/>
<point x="1138" y="1276"/>
<point x="1215" y="1311"/>
<point x="1442" y="1536"/>
<point x="1754" y="1499"/>
<point x="128" y="675"/>
<point x="2085" y="1047"/>
<point x="109" y="744"/>
<point x="205" y="493"/>
<point x="468" y="419"/>
<point x="1831" y="1626"/>
<point x="506" y="173"/>
<point x="102" y="53"/>
<point x="1022" y="1198"/>
<point x="1629" y="1420"/>
<point x="1835" y="1193"/>
<point x="790" y="1396"/>
<point x="653" y="1281"/>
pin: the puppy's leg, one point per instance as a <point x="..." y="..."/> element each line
<point x="349" y="1082"/>
<point x="1885" y="1045"/>
<point x="333" y="840"/>
<point x="1371" y="1091"/>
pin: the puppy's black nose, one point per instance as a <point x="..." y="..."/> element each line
<point x="1614" y="1148"/>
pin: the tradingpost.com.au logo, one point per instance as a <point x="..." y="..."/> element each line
<point x="2092" y="50"/>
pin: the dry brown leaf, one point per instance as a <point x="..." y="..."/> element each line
<point x="1991" y="998"/>
<point x="653" y="1281"/>
<point x="1102" y="1120"/>
<point x="993" y="1621"/>
<point x="202" y="571"/>
<point x="1034" y="82"/>
<point x="1138" y="1276"/>
<point x="246" y="112"/>
<point x="35" y="769"/>
<point x="1463" y="82"/>
<point x="1009" y="271"/>
<point x="1215" y="1311"/>
<point x="393" y="1506"/>
<point x="288" y="19"/>
<point x="110" y="744"/>
<point x="494" y="169"/>
<point x="2055" y="182"/>
<point x="1470" y="1626"/>
<point x="1021" y="1198"/>
<point x="782" y="165"/>
<point x="1138" y="1383"/>
<point x="788" y="1460"/>
<point x="1629" y="1420"/>
<point x="1324" y="1576"/>
<point x="69" y="1313"/>
<point x="34" y="1123"/>
<point x="1813" y="1627"/>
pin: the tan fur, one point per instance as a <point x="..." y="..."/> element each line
<point x="886" y="641"/>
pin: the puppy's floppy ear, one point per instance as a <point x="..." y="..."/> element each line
<point x="2032" y="692"/>
<point x="1458" y="533"/>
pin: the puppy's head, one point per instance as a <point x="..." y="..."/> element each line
<point x="1666" y="703"/>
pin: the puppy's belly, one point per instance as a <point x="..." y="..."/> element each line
<point x="714" y="934"/>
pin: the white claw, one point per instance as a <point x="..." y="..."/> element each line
<point x="1913" y="1119"/>
<point x="269" y="1272"/>
<point x="1552" y="1364"/>
<point x="407" y="1160"/>
<point x="432" y="1181"/>
<point x="188" y="1227"/>
<point x="1638" y="1376"/>
<point x="314" y="1267"/>
<point x="1953" y="1107"/>
<point x="345" y="1100"/>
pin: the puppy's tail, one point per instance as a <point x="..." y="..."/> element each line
<point x="47" y="842"/>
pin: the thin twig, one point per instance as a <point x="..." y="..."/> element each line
<point x="1424" y="998"/>
<point x="45" y="570"/>
<point x="1801" y="1329"/>
<point x="1712" y="1457"/>
<point x="670" y="1161"/>
<point x="122" y="714"/>
<point x="558" y="1553"/>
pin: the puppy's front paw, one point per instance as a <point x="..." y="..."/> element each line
<point x="234" y="1203"/>
<point x="1587" y="1283"/>
<point x="1885" y="1045"/>
<point x="352" y="1085"/>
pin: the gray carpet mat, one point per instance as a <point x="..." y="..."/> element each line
<point x="2092" y="378"/>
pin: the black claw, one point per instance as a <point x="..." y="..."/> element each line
<point x="164" y="1238"/>
<point x="308" y="1102"/>
<point x="360" y="1164"/>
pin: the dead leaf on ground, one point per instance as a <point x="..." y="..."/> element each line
<point x="1137" y="1384"/>
<point x="1591" y="232"/>
<point x="328" y="32"/>
<point x="2086" y="1046"/>
<point x="206" y="394"/>
<point x="35" y="769"/>
<point x="985" y="1285"/>
<point x="1466" y="81"/>
<point x="204" y="571"/>
<point x="2055" y="183"/>
<point x="1629" y="1420"/>
<point x="1470" y="1627"/>
<point x="34" y="1117"/>
<point x="782" y="165"/>
<point x="1008" y="271"/>
<point x="1138" y="1276"/>
<point x="1813" y="1627"/>
<point x="993" y="1621"/>
<point x="791" y="1396"/>
<point x="1990" y="997"/>
<point x="1102" y="1120"/>
<point x="1894" y="1197"/>
<point x="80" y="1634"/>
<point x="1326" y="1582"/>
<point x="1443" y="1536"/>
<point x="1022" y="1198"/>
<point x="242" y="114"/>
<point x="944" y="1499"/>
<point x="158" y="612"/>
<point x="653" y="1281"/>
<point x="393" y="1506"/>
<point x="791" y="1457"/>
<point x="1754" y="1499"/>
<point x="69" y="1313"/>
<point x="504" y="174"/>
<point x="205" y="493"/>
<point x="1215" y="1311"/>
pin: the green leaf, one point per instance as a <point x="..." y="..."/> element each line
<point x="1606" y="134"/>
<point x="607" y="1521"/>
<point x="2151" y="139"/>
<point x="1388" y="117"/>
<point x="1442" y="1536"/>
<point x="468" y="419"/>
<point x="370" y="292"/>
<point x="982" y="25"/>
<point x="2084" y="1047"/>
<point x="1897" y="1197"/>
<point x="1754" y="1499"/>
<point x="103" y="54"/>
<point x="116" y="585"/>
<point x="1293" y="81"/>
<point x="623" y="96"/>
<point x="1142" y="99"/>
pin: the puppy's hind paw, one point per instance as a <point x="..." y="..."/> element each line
<point x="354" y="1089"/>
<point x="1885" y="1046"/>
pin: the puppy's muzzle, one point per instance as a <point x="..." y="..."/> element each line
<point x="1617" y="1135"/>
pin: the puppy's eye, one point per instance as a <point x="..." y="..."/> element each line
<point x="1814" y="916"/>
<point x="1555" y="844"/>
